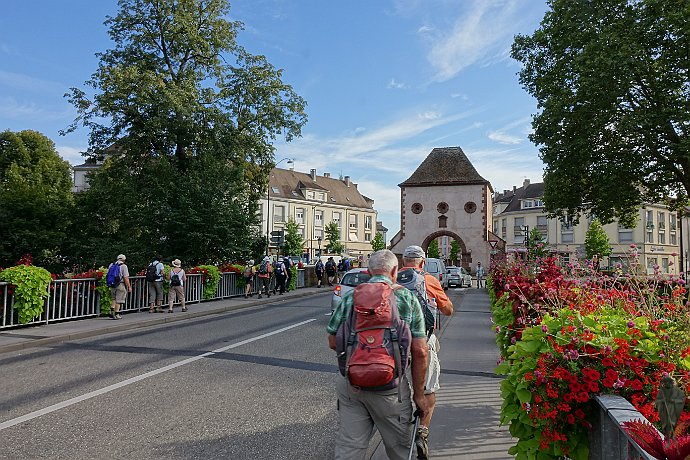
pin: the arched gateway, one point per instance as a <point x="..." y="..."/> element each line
<point x="445" y="196"/>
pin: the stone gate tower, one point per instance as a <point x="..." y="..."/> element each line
<point x="445" y="196"/>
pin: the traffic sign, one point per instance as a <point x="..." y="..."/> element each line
<point x="278" y="237"/>
<point x="493" y="243"/>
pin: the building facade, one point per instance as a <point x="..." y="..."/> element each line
<point x="656" y="238"/>
<point x="313" y="202"/>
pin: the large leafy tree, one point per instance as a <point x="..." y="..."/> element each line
<point x="35" y="199"/>
<point x="611" y="82"/>
<point x="186" y="118"/>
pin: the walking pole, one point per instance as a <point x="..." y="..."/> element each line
<point x="414" y="433"/>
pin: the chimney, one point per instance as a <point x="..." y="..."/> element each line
<point x="312" y="173"/>
<point x="292" y="166"/>
<point x="525" y="183"/>
<point x="354" y="185"/>
<point x="514" y="188"/>
<point x="505" y="192"/>
<point x="347" y="180"/>
<point x="326" y="174"/>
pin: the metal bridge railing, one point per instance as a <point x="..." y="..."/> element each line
<point x="71" y="299"/>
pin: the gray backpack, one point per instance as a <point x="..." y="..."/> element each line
<point x="413" y="280"/>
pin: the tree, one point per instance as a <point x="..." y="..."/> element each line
<point x="294" y="243"/>
<point x="535" y="245"/>
<point x="35" y="199"/>
<point x="333" y="244"/>
<point x="610" y="78"/>
<point x="454" y="251"/>
<point x="187" y="119"/>
<point x="596" y="241"/>
<point x="433" y="250"/>
<point x="378" y="243"/>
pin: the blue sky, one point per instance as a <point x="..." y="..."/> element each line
<point x="386" y="81"/>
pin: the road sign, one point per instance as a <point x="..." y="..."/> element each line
<point x="493" y="243"/>
<point x="277" y="237"/>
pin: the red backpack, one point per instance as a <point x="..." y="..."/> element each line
<point x="373" y="343"/>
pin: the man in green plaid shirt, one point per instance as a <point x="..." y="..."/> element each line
<point x="359" y="411"/>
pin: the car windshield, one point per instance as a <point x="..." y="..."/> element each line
<point x="454" y="271"/>
<point x="355" y="279"/>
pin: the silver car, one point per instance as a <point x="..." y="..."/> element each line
<point x="458" y="276"/>
<point x="350" y="280"/>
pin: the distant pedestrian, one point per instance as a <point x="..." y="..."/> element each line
<point x="154" y="282"/>
<point x="319" y="269"/>
<point x="480" y="275"/>
<point x="120" y="290"/>
<point x="248" y="278"/>
<point x="265" y="272"/>
<point x="287" y="262"/>
<point x="177" y="279"/>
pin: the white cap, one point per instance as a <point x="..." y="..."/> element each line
<point x="414" y="252"/>
<point x="121" y="257"/>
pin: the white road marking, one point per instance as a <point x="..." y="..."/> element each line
<point x="115" y="386"/>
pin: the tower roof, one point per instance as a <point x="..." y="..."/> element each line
<point x="445" y="166"/>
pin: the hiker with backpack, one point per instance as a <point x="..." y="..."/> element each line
<point x="177" y="279"/>
<point x="248" y="278"/>
<point x="374" y="330"/>
<point x="433" y="300"/>
<point x="265" y="272"/>
<point x="319" y="270"/>
<point x="287" y="263"/>
<point x="117" y="279"/>
<point x="330" y="270"/>
<point x="154" y="283"/>
<point x="281" y="276"/>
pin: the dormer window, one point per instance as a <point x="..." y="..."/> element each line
<point x="275" y="190"/>
<point x="538" y="204"/>
<point x="526" y="204"/>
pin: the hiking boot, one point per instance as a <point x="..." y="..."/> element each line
<point x="422" y="442"/>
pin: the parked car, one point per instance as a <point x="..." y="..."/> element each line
<point x="350" y="280"/>
<point x="458" y="276"/>
<point x="437" y="268"/>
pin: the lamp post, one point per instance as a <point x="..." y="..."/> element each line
<point x="318" y="238"/>
<point x="268" y="203"/>
<point x="311" y="238"/>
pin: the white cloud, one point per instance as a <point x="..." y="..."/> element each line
<point x="28" y="83"/>
<point x="12" y="109"/>
<point x="483" y="32"/>
<point x="71" y="154"/>
<point x="503" y="138"/>
<point x="394" y="84"/>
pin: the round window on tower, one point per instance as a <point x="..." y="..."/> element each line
<point x="442" y="207"/>
<point x="417" y="208"/>
<point x="470" y="207"/>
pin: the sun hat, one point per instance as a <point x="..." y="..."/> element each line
<point x="414" y="252"/>
<point x="177" y="263"/>
<point x="121" y="257"/>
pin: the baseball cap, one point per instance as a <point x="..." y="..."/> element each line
<point x="414" y="252"/>
<point x="121" y="257"/>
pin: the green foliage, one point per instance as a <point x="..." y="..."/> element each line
<point x="104" y="294"/>
<point x="187" y="119"/>
<point x="610" y="80"/>
<point x="35" y="199"/>
<point x="30" y="289"/>
<point x="596" y="241"/>
<point x="333" y="244"/>
<point x="211" y="279"/>
<point x="433" y="251"/>
<point x="294" y="243"/>
<point x="535" y="245"/>
<point x="454" y="251"/>
<point x="292" y="285"/>
<point x="378" y="243"/>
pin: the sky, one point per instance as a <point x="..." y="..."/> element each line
<point x="386" y="81"/>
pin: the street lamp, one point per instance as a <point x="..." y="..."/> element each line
<point x="268" y="202"/>
<point x="318" y="238"/>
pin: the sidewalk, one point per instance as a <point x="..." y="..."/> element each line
<point x="465" y="424"/>
<point x="36" y="336"/>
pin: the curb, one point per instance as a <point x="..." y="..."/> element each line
<point x="180" y="316"/>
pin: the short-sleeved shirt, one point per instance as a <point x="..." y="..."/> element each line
<point x="124" y="271"/>
<point x="160" y="270"/>
<point x="408" y="307"/>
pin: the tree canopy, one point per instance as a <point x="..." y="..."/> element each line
<point x="294" y="243"/>
<point x="611" y="83"/>
<point x="378" y="242"/>
<point x="433" y="250"/>
<point x="35" y="198"/>
<point x="596" y="241"/>
<point x="333" y="243"/>
<point x="186" y="118"/>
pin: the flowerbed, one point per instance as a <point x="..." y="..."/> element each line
<point x="566" y="339"/>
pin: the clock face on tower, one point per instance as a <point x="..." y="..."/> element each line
<point x="442" y="207"/>
<point x="417" y="208"/>
<point x="470" y="207"/>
